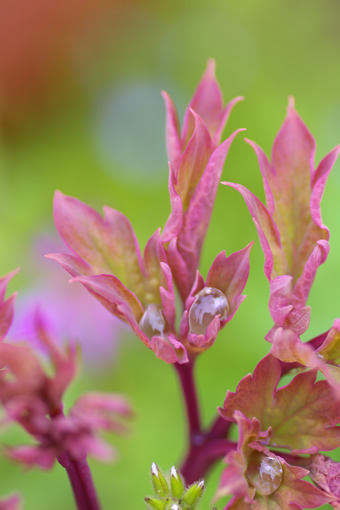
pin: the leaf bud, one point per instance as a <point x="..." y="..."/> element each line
<point x="159" y="482"/>
<point x="155" y="504"/>
<point x="176" y="484"/>
<point x="193" y="495"/>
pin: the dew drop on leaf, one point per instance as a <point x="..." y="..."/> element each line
<point x="208" y="303"/>
<point x="264" y="473"/>
<point x="152" y="323"/>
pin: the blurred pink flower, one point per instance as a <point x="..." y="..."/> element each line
<point x="11" y="503"/>
<point x="33" y="398"/>
<point x="68" y="312"/>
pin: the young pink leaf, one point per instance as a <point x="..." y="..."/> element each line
<point x="212" y="304"/>
<point x="119" y="300"/>
<point x="302" y="415"/>
<point x="208" y="103"/>
<point x="244" y="478"/>
<point x="197" y="217"/>
<point x="11" y="503"/>
<point x="196" y="164"/>
<point x="230" y="275"/>
<point x="172" y="131"/>
<point x="325" y="472"/>
<point x="6" y="306"/>
<point x="108" y="245"/>
<point x="269" y="235"/>
<point x="292" y="235"/>
<point x="193" y="161"/>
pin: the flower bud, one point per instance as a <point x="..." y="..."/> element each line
<point x="176" y="484"/>
<point x="193" y="495"/>
<point x="155" y="504"/>
<point x="159" y="482"/>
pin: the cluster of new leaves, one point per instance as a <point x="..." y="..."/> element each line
<point x="32" y="397"/>
<point x="300" y="418"/>
<point x="173" y="496"/>
<point x="282" y="430"/>
<point x="139" y="289"/>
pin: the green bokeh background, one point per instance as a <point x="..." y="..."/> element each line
<point x="101" y="139"/>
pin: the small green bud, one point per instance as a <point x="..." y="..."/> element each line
<point x="159" y="482"/>
<point x="176" y="484"/>
<point x="193" y="495"/>
<point x="155" y="504"/>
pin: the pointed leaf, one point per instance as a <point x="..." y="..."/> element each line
<point x="154" y="255"/>
<point x="300" y="414"/>
<point x="72" y="264"/>
<point x="172" y="131"/>
<point x="117" y="299"/>
<point x="275" y="261"/>
<point x="293" y="193"/>
<point x="175" y="220"/>
<point x="193" y="161"/>
<point x="208" y="103"/>
<point x="230" y="274"/>
<point x="197" y="217"/>
<point x="108" y="245"/>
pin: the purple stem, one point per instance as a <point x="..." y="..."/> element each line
<point x="202" y="457"/>
<point x="205" y="447"/>
<point x="186" y="377"/>
<point x="219" y="428"/>
<point x="81" y="482"/>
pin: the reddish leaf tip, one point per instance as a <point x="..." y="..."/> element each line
<point x="211" y="67"/>
<point x="291" y="104"/>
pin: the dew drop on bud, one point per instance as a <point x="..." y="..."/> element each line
<point x="208" y="303"/>
<point x="264" y="473"/>
<point x="152" y="323"/>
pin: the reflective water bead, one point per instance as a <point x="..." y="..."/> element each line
<point x="264" y="473"/>
<point x="152" y="323"/>
<point x="208" y="303"/>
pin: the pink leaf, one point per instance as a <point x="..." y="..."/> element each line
<point x="300" y="414"/>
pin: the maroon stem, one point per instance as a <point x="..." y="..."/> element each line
<point x="205" y="447"/>
<point x="202" y="457"/>
<point x="81" y="482"/>
<point x="186" y="377"/>
<point x="219" y="428"/>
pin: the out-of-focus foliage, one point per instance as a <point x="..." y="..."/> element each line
<point x="81" y="111"/>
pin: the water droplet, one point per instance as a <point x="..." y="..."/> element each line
<point x="264" y="473"/>
<point x="208" y="303"/>
<point x="152" y="323"/>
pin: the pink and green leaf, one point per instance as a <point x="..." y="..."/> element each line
<point x="197" y="217"/>
<point x="208" y="103"/>
<point x="325" y="472"/>
<point x="193" y="161"/>
<point x="6" y="305"/>
<point x="294" y="191"/>
<point x="175" y="220"/>
<point x="107" y="244"/>
<point x="301" y="414"/>
<point x="230" y="275"/>
<point x="172" y="131"/>
<point x="119" y="300"/>
<point x="269" y="235"/>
